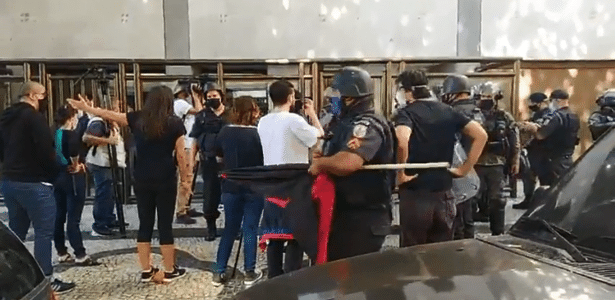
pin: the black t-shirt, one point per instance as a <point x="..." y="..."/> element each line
<point x="239" y="147"/>
<point x="434" y="126"/>
<point x="154" y="162"/>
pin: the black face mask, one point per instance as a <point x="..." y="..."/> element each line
<point x="213" y="103"/>
<point x="486" y="104"/>
<point x="534" y="108"/>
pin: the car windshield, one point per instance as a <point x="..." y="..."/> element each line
<point x="582" y="202"/>
<point x="19" y="272"/>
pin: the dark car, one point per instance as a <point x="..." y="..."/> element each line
<point x="563" y="247"/>
<point x="20" y="275"/>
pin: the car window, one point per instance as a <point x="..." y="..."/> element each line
<point x="19" y="272"/>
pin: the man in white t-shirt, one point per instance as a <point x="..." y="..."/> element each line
<point x="286" y="139"/>
<point x="183" y="109"/>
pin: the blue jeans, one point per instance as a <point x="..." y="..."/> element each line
<point x="238" y="207"/>
<point x="103" y="200"/>
<point x="69" y="191"/>
<point x="32" y="202"/>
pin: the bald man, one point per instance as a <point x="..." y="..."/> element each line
<point x="29" y="168"/>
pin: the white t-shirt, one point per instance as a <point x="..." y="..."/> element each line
<point x="101" y="158"/>
<point x="181" y="108"/>
<point x="286" y="138"/>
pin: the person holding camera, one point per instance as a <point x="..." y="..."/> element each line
<point x="502" y="148"/>
<point x="100" y="135"/>
<point x="158" y="135"/>
<point x="184" y="95"/>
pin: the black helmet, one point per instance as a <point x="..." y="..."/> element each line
<point x="353" y="82"/>
<point x="607" y="99"/>
<point x="455" y="84"/>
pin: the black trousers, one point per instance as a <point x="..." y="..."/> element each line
<point x="155" y="198"/>
<point x="425" y="216"/>
<point x="464" y="221"/>
<point x="275" y="253"/>
<point x="528" y="177"/>
<point x="491" y="178"/>
<point x="539" y="164"/>
<point x="357" y="231"/>
<point x="211" y="189"/>
<point x="558" y="165"/>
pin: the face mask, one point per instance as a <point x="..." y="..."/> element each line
<point x="345" y="108"/>
<point x="336" y="105"/>
<point x="534" y="108"/>
<point x="553" y="105"/>
<point x="400" y="97"/>
<point x="214" y="103"/>
<point x="486" y="104"/>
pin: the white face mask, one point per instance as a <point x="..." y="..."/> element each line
<point x="400" y="97"/>
<point x="553" y="105"/>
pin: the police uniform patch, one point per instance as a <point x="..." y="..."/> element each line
<point x="359" y="131"/>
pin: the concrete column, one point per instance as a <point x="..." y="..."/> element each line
<point x="468" y="28"/>
<point x="177" y="34"/>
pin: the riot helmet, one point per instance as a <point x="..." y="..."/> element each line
<point x="453" y="85"/>
<point x="487" y="94"/>
<point x="352" y="83"/>
<point x="607" y="99"/>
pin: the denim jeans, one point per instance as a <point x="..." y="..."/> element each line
<point x="69" y="192"/>
<point x="103" y="200"/>
<point x="238" y="207"/>
<point x="32" y="202"/>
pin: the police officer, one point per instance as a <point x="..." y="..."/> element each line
<point x="208" y="123"/>
<point x="427" y="131"/>
<point x="503" y="141"/>
<point x="603" y="119"/>
<point x="362" y="215"/>
<point x="559" y="135"/>
<point x="456" y="92"/>
<point x="533" y="160"/>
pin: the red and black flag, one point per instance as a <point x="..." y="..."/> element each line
<point x="297" y="205"/>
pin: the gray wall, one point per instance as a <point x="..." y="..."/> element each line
<point x="217" y="29"/>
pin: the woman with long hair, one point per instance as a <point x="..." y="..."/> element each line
<point x="158" y="134"/>
<point x="239" y="146"/>
<point x="69" y="188"/>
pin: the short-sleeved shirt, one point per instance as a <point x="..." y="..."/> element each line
<point x="286" y="138"/>
<point x="181" y="108"/>
<point x="434" y="128"/>
<point x="240" y="147"/>
<point x="154" y="161"/>
<point x="370" y="137"/>
<point x="70" y="144"/>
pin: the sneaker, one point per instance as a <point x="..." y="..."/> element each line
<point x="65" y="258"/>
<point x="193" y="213"/>
<point x="101" y="231"/>
<point x="177" y="273"/>
<point x="185" y="219"/>
<point x="86" y="261"/>
<point x="218" y="279"/>
<point x="61" y="287"/>
<point x="147" y="276"/>
<point x="116" y="224"/>
<point x="251" y="277"/>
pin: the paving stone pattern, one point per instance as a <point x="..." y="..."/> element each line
<point x="117" y="277"/>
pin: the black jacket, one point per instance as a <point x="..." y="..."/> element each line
<point x="26" y="145"/>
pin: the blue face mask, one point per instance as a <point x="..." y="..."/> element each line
<point x="336" y="105"/>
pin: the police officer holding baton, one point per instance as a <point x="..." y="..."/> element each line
<point x="362" y="214"/>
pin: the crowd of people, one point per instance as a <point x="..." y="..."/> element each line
<point x="179" y="131"/>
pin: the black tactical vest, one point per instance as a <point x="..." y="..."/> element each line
<point x="563" y="140"/>
<point x="366" y="189"/>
